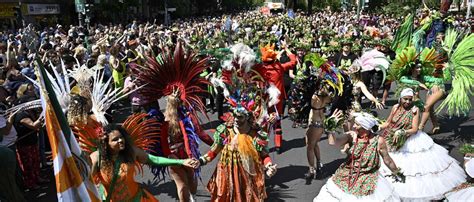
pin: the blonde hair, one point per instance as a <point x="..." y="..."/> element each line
<point x="171" y="115"/>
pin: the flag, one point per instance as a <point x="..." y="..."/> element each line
<point x="71" y="171"/>
<point x="403" y="36"/>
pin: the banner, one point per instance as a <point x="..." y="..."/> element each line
<point x="41" y="9"/>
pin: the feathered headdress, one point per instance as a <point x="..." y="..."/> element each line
<point x="328" y="72"/>
<point x="143" y="133"/>
<point x="244" y="88"/>
<point x="176" y="71"/>
<point x="103" y="96"/>
<point x="268" y="53"/>
<point x="404" y="62"/>
<point x="371" y="60"/>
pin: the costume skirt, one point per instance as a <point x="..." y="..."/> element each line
<point x="231" y="182"/>
<point x="383" y="192"/>
<point x="430" y="171"/>
<point x="462" y="193"/>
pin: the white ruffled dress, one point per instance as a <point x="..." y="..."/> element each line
<point x="383" y="192"/>
<point x="430" y="171"/>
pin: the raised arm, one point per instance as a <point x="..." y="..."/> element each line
<point x="345" y="138"/>
<point x="290" y="64"/>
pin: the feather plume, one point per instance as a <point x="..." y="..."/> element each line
<point x="177" y="71"/>
<point x="403" y="35"/>
<point x="461" y="71"/>
<point x="103" y="96"/>
<point x="373" y="59"/>
<point x="273" y="94"/>
<point x="34" y="104"/>
<point x="244" y="56"/>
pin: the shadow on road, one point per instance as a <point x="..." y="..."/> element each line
<point x="157" y="187"/>
<point x="277" y="190"/>
<point x="331" y="167"/>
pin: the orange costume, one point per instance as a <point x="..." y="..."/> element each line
<point x="125" y="189"/>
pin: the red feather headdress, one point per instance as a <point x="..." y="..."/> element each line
<point x="175" y="71"/>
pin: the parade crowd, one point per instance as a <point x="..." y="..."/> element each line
<point x="328" y="72"/>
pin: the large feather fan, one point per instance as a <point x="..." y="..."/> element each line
<point x="143" y="133"/>
<point x="103" y="96"/>
<point x="373" y="60"/>
<point x="178" y="71"/>
<point x="461" y="70"/>
<point x="429" y="59"/>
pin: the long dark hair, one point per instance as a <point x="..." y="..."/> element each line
<point x="126" y="156"/>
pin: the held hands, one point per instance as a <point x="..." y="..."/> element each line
<point x="271" y="169"/>
<point x="192" y="163"/>
<point x="397" y="176"/>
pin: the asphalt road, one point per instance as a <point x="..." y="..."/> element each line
<point x="289" y="183"/>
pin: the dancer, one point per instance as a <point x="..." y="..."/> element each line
<point x="430" y="171"/>
<point x="370" y="61"/>
<point x="358" y="179"/>
<point x="325" y="82"/>
<point x="273" y="72"/>
<point x="239" y="175"/>
<point x="117" y="153"/>
<point x="177" y="78"/>
<point x="426" y="70"/>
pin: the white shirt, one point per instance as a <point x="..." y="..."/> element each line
<point x="11" y="137"/>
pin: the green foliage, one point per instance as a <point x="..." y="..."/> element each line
<point x="466" y="149"/>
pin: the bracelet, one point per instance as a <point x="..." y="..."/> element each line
<point x="202" y="161"/>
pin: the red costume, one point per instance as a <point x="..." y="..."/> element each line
<point x="273" y="71"/>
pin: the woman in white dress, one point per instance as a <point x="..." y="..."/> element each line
<point x="465" y="191"/>
<point x="358" y="179"/>
<point x="430" y="171"/>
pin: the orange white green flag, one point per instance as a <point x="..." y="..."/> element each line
<point x="71" y="170"/>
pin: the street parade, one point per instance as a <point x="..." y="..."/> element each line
<point x="246" y="101"/>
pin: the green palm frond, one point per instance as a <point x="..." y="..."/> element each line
<point x="315" y="58"/>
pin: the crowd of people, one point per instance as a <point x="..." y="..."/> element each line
<point x="249" y="67"/>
